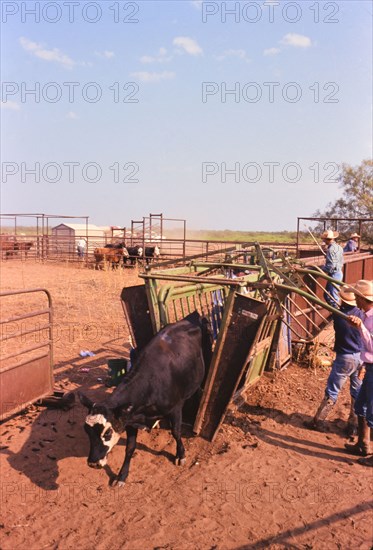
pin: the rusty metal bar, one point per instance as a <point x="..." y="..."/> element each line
<point x="292" y="329"/>
<point x="296" y="320"/>
<point x="27" y="350"/>
<point x="302" y="312"/>
<point x="24" y="316"/>
<point x="316" y="300"/>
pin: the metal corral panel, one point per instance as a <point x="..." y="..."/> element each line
<point x="26" y="372"/>
<point x="242" y="319"/>
<point x="353" y="271"/>
<point x="22" y="386"/>
<point x="368" y="268"/>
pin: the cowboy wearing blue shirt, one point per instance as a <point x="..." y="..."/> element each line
<point x="347" y="364"/>
<point x="352" y="244"/>
<point x="333" y="266"/>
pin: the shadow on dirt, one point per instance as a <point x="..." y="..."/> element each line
<point x="302" y="445"/>
<point x="55" y="435"/>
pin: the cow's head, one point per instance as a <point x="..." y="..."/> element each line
<point x="102" y="428"/>
<point x="140" y="250"/>
<point x="156" y="251"/>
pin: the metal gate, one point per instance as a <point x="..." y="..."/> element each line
<point x="26" y="374"/>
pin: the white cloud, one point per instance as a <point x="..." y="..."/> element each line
<point x="240" y="54"/>
<point x="189" y="45"/>
<point x="48" y="55"/>
<point x="72" y="115"/>
<point x="160" y="57"/>
<point x="271" y="51"/>
<point x="145" y="76"/>
<point x="105" y="54"/>
<point x="11" y="105"/>
<point x="296" y="40"/>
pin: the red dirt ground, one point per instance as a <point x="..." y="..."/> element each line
<point x="266" y="482"/>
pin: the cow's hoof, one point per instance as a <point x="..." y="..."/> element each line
<point x="117" y="483"/>
<point x="180" y="461"/>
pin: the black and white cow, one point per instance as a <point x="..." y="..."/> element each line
<point x="151" y="252"/>
<point x="133" y="254"/>
<point x="167" y="372"/>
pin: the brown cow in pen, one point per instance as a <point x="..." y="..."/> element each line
<point x="10" y="246"/>
<point x="109" y="256"/>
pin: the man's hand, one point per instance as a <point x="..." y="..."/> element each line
<point x="355" y="321"/>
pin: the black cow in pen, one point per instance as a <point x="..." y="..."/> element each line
<point x="167" y="372"/>
<point x="134" y="253"/>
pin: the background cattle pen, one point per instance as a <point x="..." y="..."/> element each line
<point x="54" y="238"/>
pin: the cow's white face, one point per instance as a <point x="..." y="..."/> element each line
<point x="125" y="253"/>
<point x="102" y="437"/>
<point x="156" y="251"/>
<point x="140" y="251"/>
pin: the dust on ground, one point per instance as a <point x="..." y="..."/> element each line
<point x="266" y="481"/>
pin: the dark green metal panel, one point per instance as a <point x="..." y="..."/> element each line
<point x="137" y="312"/>
<point x="242" y="319"/>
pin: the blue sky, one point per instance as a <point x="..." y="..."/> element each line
<point x="146" y="101"/>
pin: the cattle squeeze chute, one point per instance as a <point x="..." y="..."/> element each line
<point x="256" y="311"/>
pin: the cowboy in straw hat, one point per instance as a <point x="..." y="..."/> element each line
<point x="346" y="365"/>
<point x="352" y="244"/>
<point x="363" y="291"/>
<point x="333" y="266"/>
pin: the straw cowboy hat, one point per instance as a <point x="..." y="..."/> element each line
<point x="362" y="288"/>
<point x="355" y="236"/>
<point x="347" y="295"/>
<point x="329" y="234"/>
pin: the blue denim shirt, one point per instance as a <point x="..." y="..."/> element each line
<point x="351" y="246"/>
<point x="334" y="258"/>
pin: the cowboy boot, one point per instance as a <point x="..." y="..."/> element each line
<point x="322" y="412"/>
<point x="362" y="447"/>
<point x="351" y="428"/>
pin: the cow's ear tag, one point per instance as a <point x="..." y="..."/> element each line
<point x="129" y="408"/>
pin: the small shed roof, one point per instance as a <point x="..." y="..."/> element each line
<point x="76" y="226"/>
<point x="82" y="228"/>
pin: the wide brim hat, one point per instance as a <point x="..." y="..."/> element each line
<point x="355" y="235"/>
<point x="347" y="295"/>
<point x="329" y="234"/>
<point x="363" y="288"/>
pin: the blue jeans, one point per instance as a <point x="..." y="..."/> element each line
<point x="364" y="401"/>
<point x="333" y="290"/>
<point x="344" y="366"/>
<point x="81" y="251"/>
